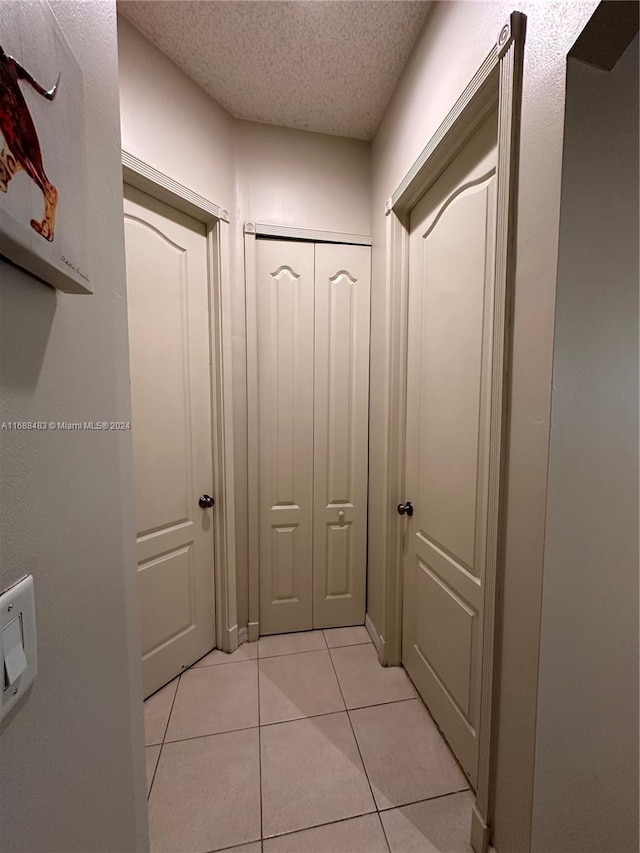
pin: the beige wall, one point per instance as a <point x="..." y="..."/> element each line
<point x="257" y="171"/>
<point x="288" y="177"/>
<point x="455" y="40"/>
<point x="171" y="123"/>
<point x="72" y="774"/>
<point x="309" y="180"/>
<point x="587" y="729"/>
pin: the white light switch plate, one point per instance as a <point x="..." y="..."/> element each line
<point x="17" y="603"/>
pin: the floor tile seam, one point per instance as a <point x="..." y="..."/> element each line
<point x="326" y="648"/>
<point x="382" y="811"/>
<point x="378" y="704"/>
<point x="236" y="846"/>
<point x="397" y="702"/>
<point x="318" y="825"/>
<point x="351" y="645"/>
<point x="290" y="654"/>
<point x="228" y="664"/>
<point x="173" y="703"/>
<point x="364" y="766"/>
<point x="211" y="734"/>
<point x="261" y="815"/>
<point x="299" y="719"/>
<point x="161" y="745"/>
<point x="220" y="663"/>
<point x="155" y="770"/>
<point x="302" y="719"/>
<point x="440" y="732"/>
<point x="264" y="725"/>
<point x="384" y="832"/>
<point x="433" y="719"/>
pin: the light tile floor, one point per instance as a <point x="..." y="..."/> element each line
<point x="300" y="743"/>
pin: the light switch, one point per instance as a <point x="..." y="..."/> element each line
<point x="18" y="650"/>
<point x="15" y="660"/>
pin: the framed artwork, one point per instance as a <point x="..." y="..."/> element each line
<point x="43" y="216"/>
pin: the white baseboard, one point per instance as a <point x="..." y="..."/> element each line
<point x="253" y="632"/>
<point x="479" y="832"/>
<point x="376" y="639"/>
<point x="242" y="636"/>
<point x="232" y="639"/>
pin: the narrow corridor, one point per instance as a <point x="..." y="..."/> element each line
<point x="300" y="743"/>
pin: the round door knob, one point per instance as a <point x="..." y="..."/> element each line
<point x="406" y="509"/>
<point x="340" y="513"/>
<point x="206" y="501"/>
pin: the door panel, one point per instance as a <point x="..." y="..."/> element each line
<point x="284" y="301"/>
<point x="167" y="294"/>
<point x="451" y="270"/>
<point x="342" y="296"/>
<point x="449" y="378"/>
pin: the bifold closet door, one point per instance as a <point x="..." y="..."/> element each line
<point x="285" y="318"/>
<point x="341" y="420"/>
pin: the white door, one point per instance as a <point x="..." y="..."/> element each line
<point x="451" y="284"/>
<point x="341" y="425"/>
<point x="284" y="303"/>
<point x="167" y="293"/>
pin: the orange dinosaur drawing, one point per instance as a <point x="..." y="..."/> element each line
<point x="22" y="146"/>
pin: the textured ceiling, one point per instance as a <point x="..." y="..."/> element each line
<point x="323" y="65"/>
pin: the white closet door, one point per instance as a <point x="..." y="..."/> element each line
<point x="341" y="422"/>
<point x="284" y="303"/>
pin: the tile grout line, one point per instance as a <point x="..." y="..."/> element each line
<point x="423" y="800"/>
<point x="319" y="825"/>
<point x="235" y="847"/>
<point x="326" y="648"/>
<point x="374" y="811"/>
<point x="155" y="770"/>
<point x="282" y="722"/>
<point x="173" y="701"/>
<point x="384" y="831"/>
<point x="364" y="766"/>
<point x="260" y="753"/>
<point x="175" y="695"/>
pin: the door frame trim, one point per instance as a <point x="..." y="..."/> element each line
<point x="287" y="232"/>
<point x="140" y="175"/>
<point x="253" y="454"/>
<point x="497" y="80"/>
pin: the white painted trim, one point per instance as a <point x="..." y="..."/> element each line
<point x="511" y="48"/>
<point x="242" y="636"/>
<point x="253" y="503"/>
<point x="286" y="232"/>
<point x="468" y="112"/>
<point x="144" y="177"/>
<point x="376" y="639"/>
<point x="479" y="830"/>
<point x="165" y="189"/>
<point x="498" y="78"/>
<point x="397" y="272"/>
<point x="223" y="455"/>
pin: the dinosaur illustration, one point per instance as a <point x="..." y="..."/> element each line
<point x="22" y="146"/>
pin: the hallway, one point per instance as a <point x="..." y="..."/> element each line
<point x="304" y="741"/>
